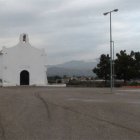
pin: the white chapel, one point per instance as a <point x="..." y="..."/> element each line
<point x="23" y="65"/>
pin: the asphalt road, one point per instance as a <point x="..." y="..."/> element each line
<point x="31" y="113"/>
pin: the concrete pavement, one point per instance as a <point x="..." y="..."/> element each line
<point x="35" y="113"/>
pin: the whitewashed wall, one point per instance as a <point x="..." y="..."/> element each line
<point x="0" y="66"/>
<point x="24" y="57"/>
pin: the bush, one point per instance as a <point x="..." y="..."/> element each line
<point x="77" y="83"/>
<point x="134" y="84"/>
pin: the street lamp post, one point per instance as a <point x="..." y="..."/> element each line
<point x="113" y="67"/>
<point x="110" y="12"/>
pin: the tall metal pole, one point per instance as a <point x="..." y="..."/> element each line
<point x="115" y="10"/>
<point x="113" y="68"/>
<point x="110" y="54"/>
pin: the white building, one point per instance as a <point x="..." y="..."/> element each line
<point x="23" y="64"/>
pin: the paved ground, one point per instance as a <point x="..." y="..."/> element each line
<point x="69" y="114"/>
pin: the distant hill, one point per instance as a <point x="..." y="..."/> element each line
<point x="72" y="68"/>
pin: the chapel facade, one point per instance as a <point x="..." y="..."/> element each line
<point x="23" y="65"/>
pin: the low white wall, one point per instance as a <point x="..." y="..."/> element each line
<point x="56" y="85"/>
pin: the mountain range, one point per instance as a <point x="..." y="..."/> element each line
<point x="72" y="68"/>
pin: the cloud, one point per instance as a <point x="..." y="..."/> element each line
<point x="73" y="29"/>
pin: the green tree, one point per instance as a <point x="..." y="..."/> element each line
<point x="127" y="66"/>
<point x="124" y="66"/>
<point x="137" y="64"/>
<point x="103" y="67"/>
<point x="54" y="79"/>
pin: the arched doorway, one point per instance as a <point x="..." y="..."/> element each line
<point x="24" y="77"/>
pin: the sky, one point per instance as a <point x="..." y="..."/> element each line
<point x="71" y="29"/>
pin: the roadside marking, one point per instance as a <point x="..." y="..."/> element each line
<point x="105" y="101"/>
<point x="89" y="100"/>
<point x="132" y="90"/>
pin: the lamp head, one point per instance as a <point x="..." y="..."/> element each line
<point x="115" y="10"/>
<point x="105" y="13"/>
